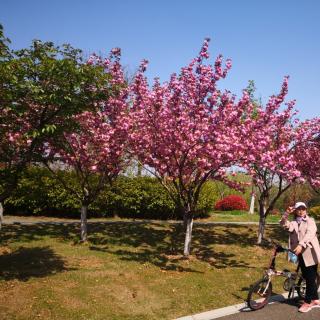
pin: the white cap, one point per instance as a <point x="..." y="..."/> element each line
<point x="300" y="204"/>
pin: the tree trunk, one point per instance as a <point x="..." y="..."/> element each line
<point x="1" y="215"/>
<point x="84" y="233"/>
<point x="262" y="220"/>
<point x="188" y="223"/>
<point x="251" y="210"/>
<point x="139" y="169"/>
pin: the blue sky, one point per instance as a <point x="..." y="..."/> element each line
<point x="266" y="40"/>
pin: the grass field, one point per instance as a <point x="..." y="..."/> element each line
<point x="215" y="216"/>
<point x="127" y="270"/>
<point x="239" y="216"/>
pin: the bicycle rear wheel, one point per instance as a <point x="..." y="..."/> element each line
<point x="301" y="286"/>
<point x="259" y="294"/>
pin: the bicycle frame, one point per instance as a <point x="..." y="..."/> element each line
<point x="277" y="249"/>
<point x="271" y="271"/>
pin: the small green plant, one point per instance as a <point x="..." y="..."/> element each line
<point x="315" y="212"/>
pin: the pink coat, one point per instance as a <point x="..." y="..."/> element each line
<point x="304" y="234"/>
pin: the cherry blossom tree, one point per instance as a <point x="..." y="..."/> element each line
<point x="96" y="151"/>
<point x="187" y="131"/>
<point x="273" y="160"/>
<point x="307" y="151"/>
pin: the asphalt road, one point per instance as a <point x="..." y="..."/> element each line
<point x="287" y="310"/>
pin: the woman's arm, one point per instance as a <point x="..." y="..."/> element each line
<point x="285" y="223"/>
<point x="310" y="233"/>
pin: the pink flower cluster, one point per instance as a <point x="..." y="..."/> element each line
<point x="100" y="143"/>
<point x="15" y="139"/>
<point x="307" y="151"/>
<point x="186" y="129"/>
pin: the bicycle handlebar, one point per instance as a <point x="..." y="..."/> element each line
<point x="278" y="245"/>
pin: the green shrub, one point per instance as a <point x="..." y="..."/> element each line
<point x="38" y="193"/>
<point x="208" y="197"/>
<point x="315" y="212"/>
<point x="138" y="197"/>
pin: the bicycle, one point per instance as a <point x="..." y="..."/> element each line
<point x="260" y="292"/>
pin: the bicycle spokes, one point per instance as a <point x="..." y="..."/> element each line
<point x="259" y="294"/>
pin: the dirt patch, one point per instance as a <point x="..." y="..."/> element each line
<point x="173" y="257"/>
<point x="64" y="292"/>
<point x="71" y="301"/>
<point x="5" y="250"/>
<point x="16" y="298"/>
<point x="86" y="263"/>
<point x="129" y="299"/>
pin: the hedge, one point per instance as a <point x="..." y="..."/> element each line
<point x="38" y="193"/>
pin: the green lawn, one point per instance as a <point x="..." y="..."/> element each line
<point x="239" y="216"/>
<point x="127" y="270"/>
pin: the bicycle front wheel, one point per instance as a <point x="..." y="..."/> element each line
<point x="259" y="294"/>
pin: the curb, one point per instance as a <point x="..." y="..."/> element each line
<point x="226" y="311"/>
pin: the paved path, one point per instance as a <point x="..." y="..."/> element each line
<point x="278" y="311"/>
<point x="49" y="220"/>
<point x="280" y="308"/>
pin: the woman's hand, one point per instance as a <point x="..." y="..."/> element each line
<point x="285" y="215"/>
<point x="298" y="249"/>
<point x="290" y="210"/>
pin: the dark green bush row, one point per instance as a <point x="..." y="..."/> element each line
<point x="39" y="193"/>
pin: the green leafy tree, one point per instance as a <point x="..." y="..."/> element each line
<point x="41" y="89"/>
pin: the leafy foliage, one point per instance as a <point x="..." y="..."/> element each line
<point x="297" y="192"/>
<point x="41" y="88"/>
<point x="315" y="212"/>
<point x="39" y="193"/>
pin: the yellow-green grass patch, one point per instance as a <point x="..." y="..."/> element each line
<point x="127" y="270"/>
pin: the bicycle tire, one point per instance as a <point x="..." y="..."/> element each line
<point x="256" y="300"/>
<point x="301" y="288"/>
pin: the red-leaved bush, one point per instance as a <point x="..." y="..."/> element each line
<point x="232" y="202"/>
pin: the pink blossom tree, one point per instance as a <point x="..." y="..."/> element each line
<point x="273" y="160"/>
<point x="187" y="131"/>
<point x="96" y="151"/>
<point x="307" y="152"/>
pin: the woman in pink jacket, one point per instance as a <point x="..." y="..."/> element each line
<point x="304" y="242"/>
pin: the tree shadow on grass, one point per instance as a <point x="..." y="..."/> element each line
<point x="278" y="234"/>
<point x="141" y="242"/>
<point x="30" y="232"/>
<point x="162" y="261"/>
<point x="206" y="236"/>
<point x="26" y="263"/>
<point x="157" y="243"/>
<point x="162" y="245"/>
